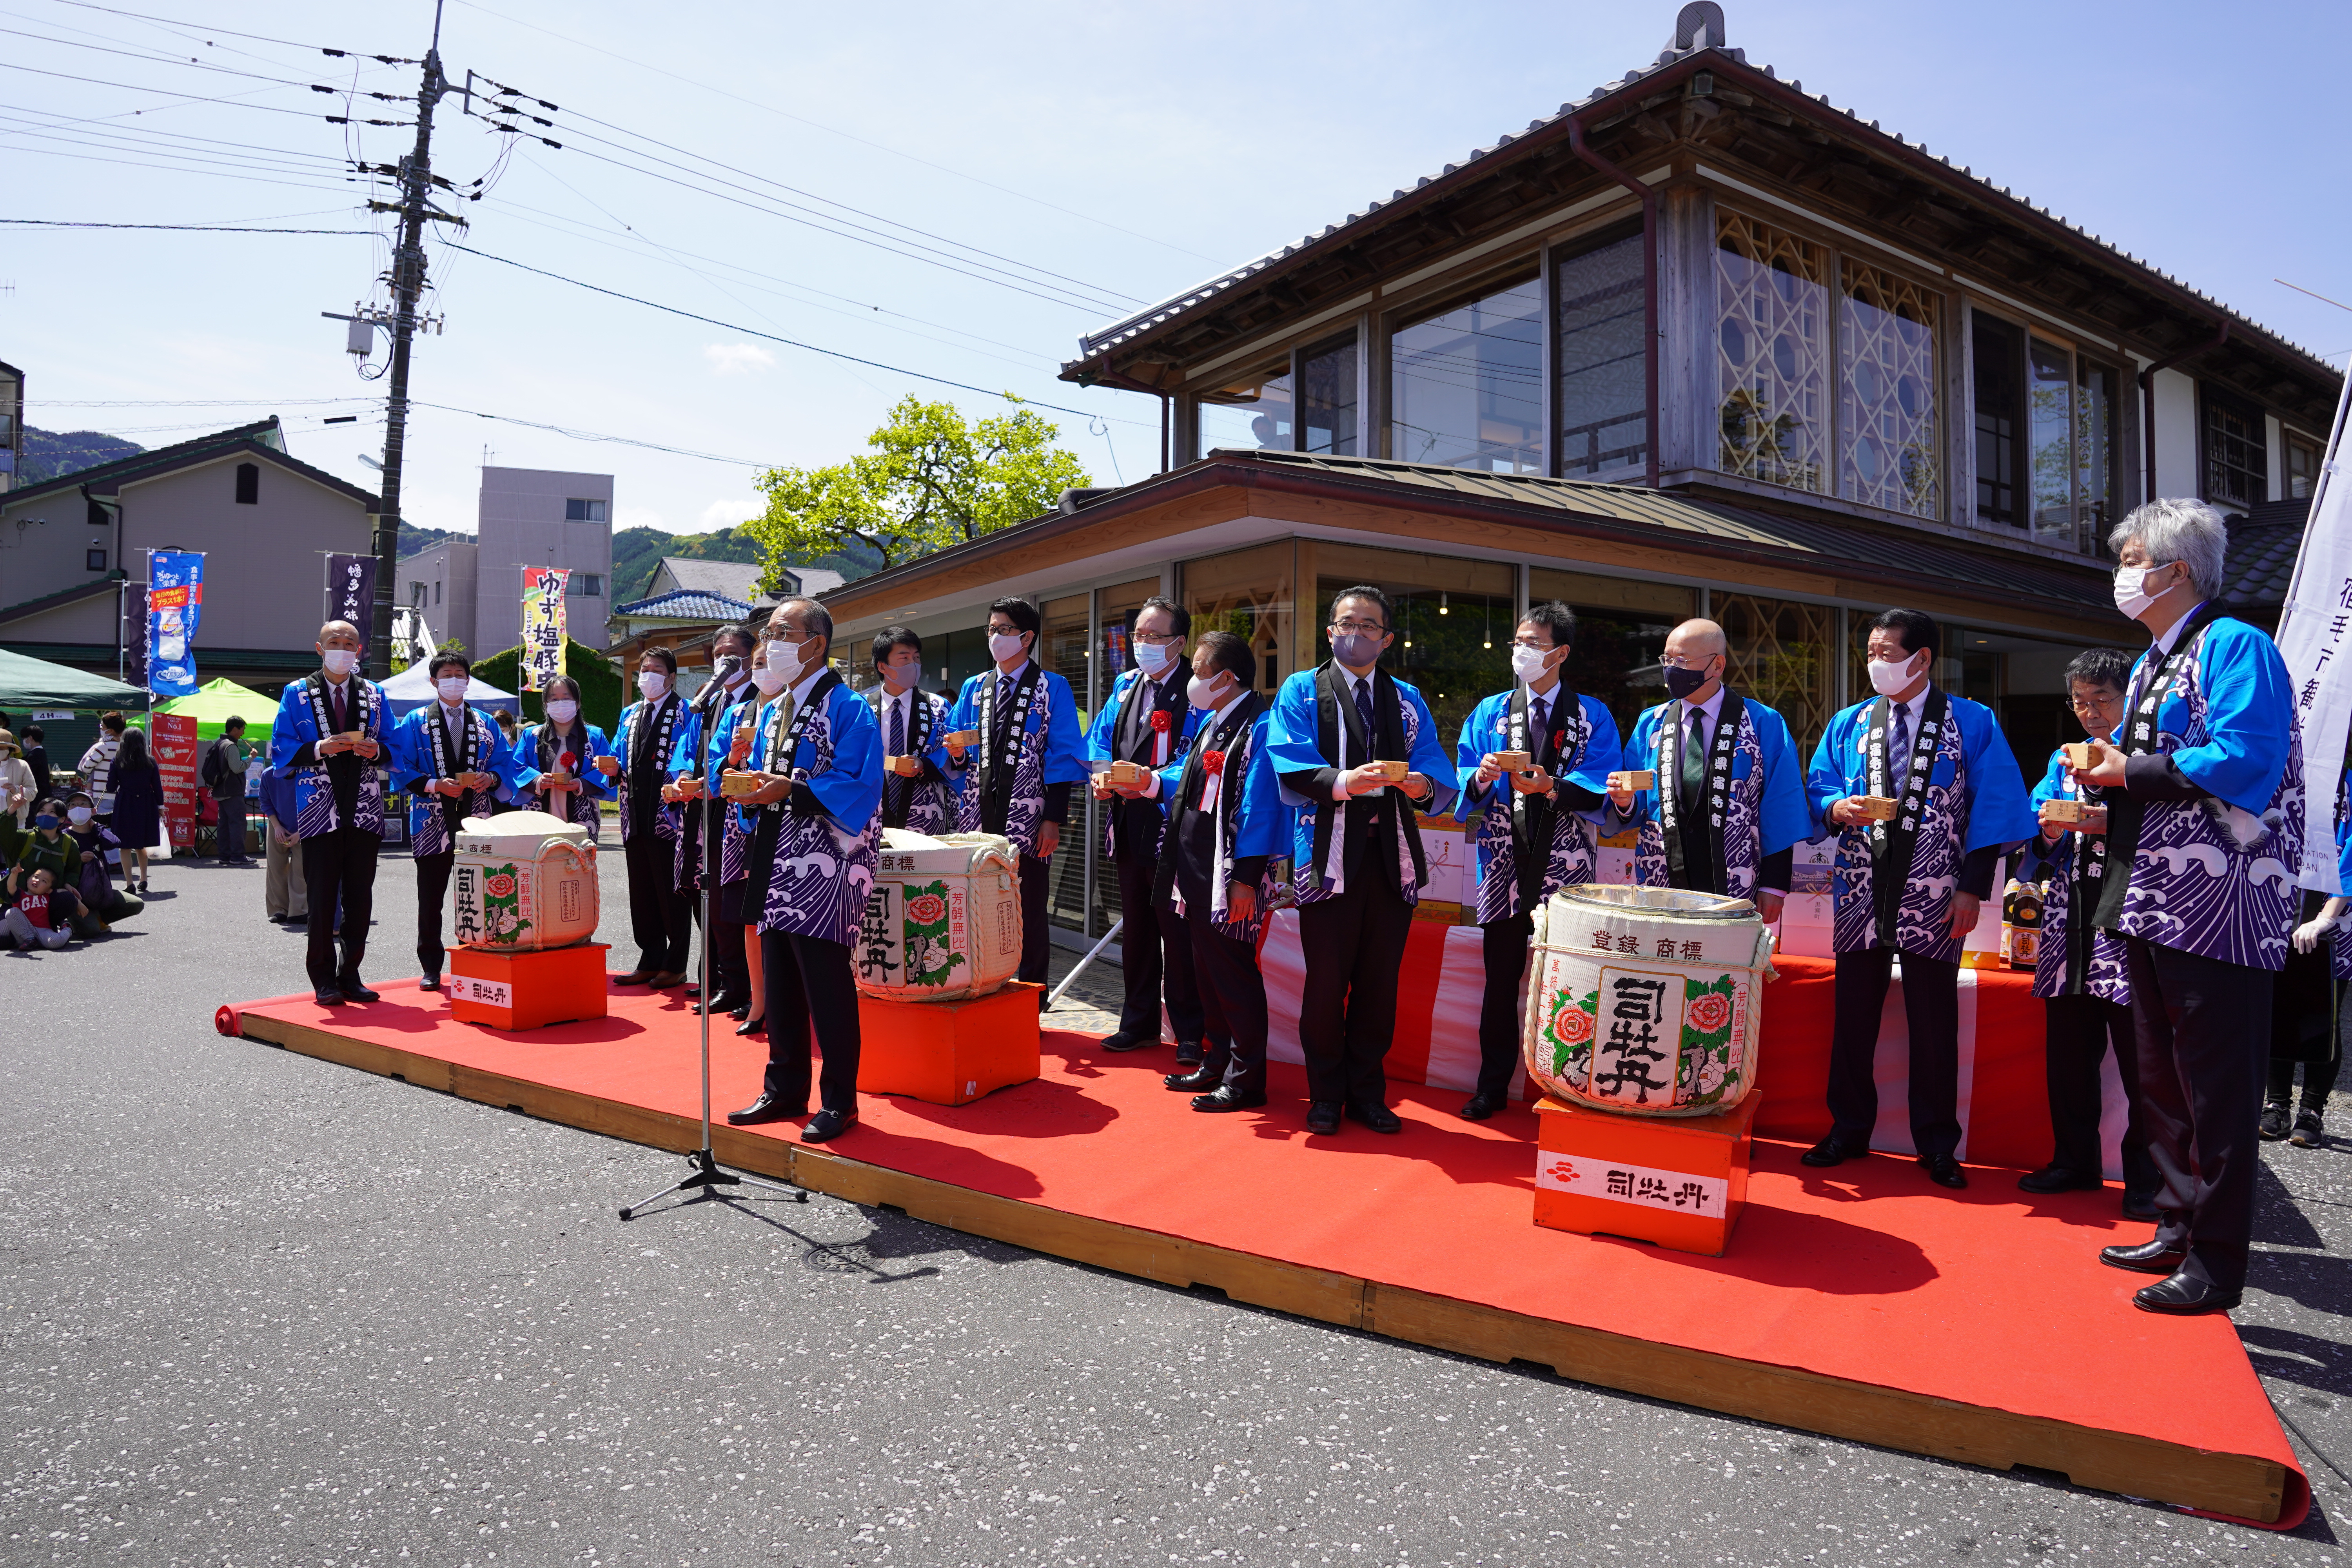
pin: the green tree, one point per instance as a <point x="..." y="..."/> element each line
<point x="929" y="481"/>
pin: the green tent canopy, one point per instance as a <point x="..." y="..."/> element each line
<point x="37" y="683"/>
<point x="219" y="702"/>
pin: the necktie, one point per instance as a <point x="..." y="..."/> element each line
<point x="1364" y="711"/>
<point x="895" y="786"/>
<point x="1692" y="773"/>
<point x="1898" y="751"/>
<point x="342" y="722"/>
<point x="1539" y="722"/>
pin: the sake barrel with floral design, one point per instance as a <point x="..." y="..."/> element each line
<point x="523" y="881"/>
<point x="943" y="923"/>
<point x="1645" y="1000"/>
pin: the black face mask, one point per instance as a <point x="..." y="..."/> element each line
<point x="1682" y="682"/>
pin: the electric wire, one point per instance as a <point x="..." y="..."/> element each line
<point x="593" y="436"/>
<point x="168" y="92"/>
<point x="193" y="227"/>
<point x="174" y="22"/>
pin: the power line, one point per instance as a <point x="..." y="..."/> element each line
<point x="788" y="342"/>
<point x="154" y="58"/>
<point x="231" y="32"/>
<point x="198" y="402"/>
<point x="168" y="92"/>
<point x="592" y="435"/>
<point x="197" y="227"/>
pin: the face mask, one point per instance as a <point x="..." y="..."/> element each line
<point x="1682" y="682"/>
<point x="1888" y="676"/>
<point x="1202" y="694"/>
<point x="790" y="660"/>
<point x="1527" y="664"/>
<point x="80" y="815"/>
<point x="769" y="679"/>
<point x="338" y="660"/>
<point x="1002" y="646"/>
<point x="452" y="688"/>
<point x="2130" y="585"/>
<point x="899" y="676"/>
<point x="563" y="712"/>
<point x="1356" y="649"/>
<point x="47" y="824"/>
<point x="652" y="683"/>
<point x="1153" y="659"/>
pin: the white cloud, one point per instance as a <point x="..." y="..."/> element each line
<point x="737" y="359"/>
<point x="640" y="517"/>
<point x="727" y="513"/>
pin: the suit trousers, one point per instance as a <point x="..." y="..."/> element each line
<point x="1035" y="941"/>
<point x="1155" y="960"/>
<point x="2203" y="1028"/>
<point x="1353" y="944"/>
<point x="338" y="865"/>
<point x="1931" y="1006"/>
<point x="660" y="917"/>
<point x="2079" y="1031"/>
<point x="809" y="984"/>
<point x="1232" y="999"/>
<point x="282" y="893"/>
<point x="432" y="892"/>
<point x="1506" y="944"/>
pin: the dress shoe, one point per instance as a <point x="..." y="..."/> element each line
<point x="827" y="1125"/>
<point x="750" y="1026"/>
<point x="765" y="1109"/>
<point x="1199" y="1081"/>
<point x="1479" y="1107"/>
<point x="2141" y="1209"/>
<point x="718" y="1004"/>
<point x="2182" y="1296"/>
<point x="693" y="989"/>
<point x="1224" y="1099"/>
<point x="2148" y="1258"/>
<point x="1376" y="1116"/>
<point x="354" y="991"/>
<point x="1125" y="1041"/>
<point x="2059" y="1179"/>
<point x="634" y="977"/>
<point x="1189" y="1053"/>
<point x="1827" y="1153"/>
<point x="1323" y="1116"/>
<point x="1944" y="1171"/>
<point x="665" y="981"/>
<point x="742" y="1013"/>
<point x="2273" y="1124"/>
<point x="327" y="996"/>
<point x="428" y="983"/>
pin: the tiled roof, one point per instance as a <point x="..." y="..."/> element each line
<point x="731" y="578"/>
<point x="686" y="604"/>
<point x="262" y="435"/>
<point x="2263" y="545"/>
<point x="1113" y="334"/>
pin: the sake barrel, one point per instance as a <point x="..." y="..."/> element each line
<point x="1645" y="1000"/>
<point x="524" y="880"/>
<point x="943" y="923"/>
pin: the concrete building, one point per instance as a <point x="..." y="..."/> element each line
<point x="539" y="517"/>
<point x="442" y="583"/>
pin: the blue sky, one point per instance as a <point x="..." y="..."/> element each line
<point x="1126" y="150"/>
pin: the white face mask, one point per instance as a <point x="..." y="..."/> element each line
<point x="80" y="814"/>
<point x="451" y="687"/>
<point x="1203" y="695"/>
<point x="2131" y="582"/>
<point x="768" y="679"/>
<point x="1155" y="658"/>
<point x="652" y="683"/>
<point x="338" y="660"/>
<point x="562" y="712"/>
<point x="790" y="659"/>
<point x="1888" y="676"/>
<point x="1529" y="664"/>
<point x="1004" y="646"/>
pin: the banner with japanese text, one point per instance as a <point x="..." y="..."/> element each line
<point x="176" y="603"/>
<point x="351" y="593"/>
<point x="2315" y="638"/>
<point x="543" y="627"/>
<point x="174" y="744"/>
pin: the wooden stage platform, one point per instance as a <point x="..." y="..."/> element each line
<point x="1861" y="1302"/>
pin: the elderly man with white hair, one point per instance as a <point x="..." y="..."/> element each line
<point x="2204" y="797"/>
<point x="332" y="726"/>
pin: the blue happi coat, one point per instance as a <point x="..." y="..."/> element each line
<point x="931" y="799"/>
<point x="1975" y="798"/>
<point x="823" y="864"/>
<point x="415" y="763"/>
<point x="2215" y="876"/>
<point x="1295" y="742"/>
<point x="645" y="723"/>
<point x="1585" y="752"/>
<point x="1766" y="812"/>
<point x="2103" y="976"/>
<point x="735" y="823"/>
<point x="1102" y="738"/>
<point x="302" y="718"/>
<point x="1052" y="752"/>
<point x="536" y="745"/>
<point x="1252" y="823"/>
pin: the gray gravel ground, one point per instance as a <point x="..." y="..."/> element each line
<point x="259" y="1309"/>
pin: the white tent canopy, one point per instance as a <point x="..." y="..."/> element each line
<point x="413" y="688"/>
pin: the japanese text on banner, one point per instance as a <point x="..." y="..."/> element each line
<point x="543" y="628"/>
<point x="2314" y="639"/>
<point x="176" y="603"/>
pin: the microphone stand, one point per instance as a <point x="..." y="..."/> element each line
<point x="707" y="1176"/>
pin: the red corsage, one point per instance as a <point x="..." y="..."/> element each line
<point x="1559" y="742"/>
<point x="567" y="762"/>
<point x="1159" y="721"/>
<point x="1215" y="761"/>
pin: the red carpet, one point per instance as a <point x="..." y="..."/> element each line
<point x="1866" y="1274"/>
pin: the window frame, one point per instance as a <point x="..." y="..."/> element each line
<point x="2289" y="441"/>
<point x="1492" y="276"/>
<point x="2083" y="538"/>
<point x="1613" y="230"/>
<point x="2212" y="401"/>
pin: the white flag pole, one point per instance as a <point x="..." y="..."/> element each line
<point x="2314" y="639"/>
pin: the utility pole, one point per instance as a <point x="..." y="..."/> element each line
<point x="407" y="286"/>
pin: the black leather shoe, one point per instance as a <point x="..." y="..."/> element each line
<point x="827" y="1125"/>
<point x="428" y="983"/>
<point x="765" y="1109"/>
<point x="719" y="1004"/>
<point x="1379" y="1118"/>
<point x="1323" y="1116"/>
<point x="2148" y="1258"/>
<point x="354" y="991"/>
<point x="1123" y="1041"/>
<point x="327" y="996"/>
<point x="2183" y="1296"/>
<point x="1944" y="1171"/>
<point x="2141" y="1209"/>
<point x="1224" y="1099"/>
<point x="1479" y="1107"/>
<point x="1827" y="1153"/>
<point x="1198" y="1081"/>
<point x="750" y="1026"/>
<point x="2059" y="1179"/>
<point x="693" y="989"/>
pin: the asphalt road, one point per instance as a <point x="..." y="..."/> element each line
<point x="259" y="1309"/>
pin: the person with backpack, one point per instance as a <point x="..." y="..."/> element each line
<point x="223" y="774"/>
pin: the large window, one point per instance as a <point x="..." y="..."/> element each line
<point x="2045" y="435"/>
<point x="1604" y="426"/>
<point x="1998" y="359"/>
<point x="1621" y="631"/>
<point x="2237" y="461"/>
<point x="2098" y="407"/>
<point x="1467" y="384"/>
<point x="1304" y="403"/>
<point x="2302" y="467"/>
<point x="1327" y="399"/>
<point x="1886" y="357"/>
<point x="1771" y="350"/>
<point x="1781" y="654"/>
<point x="1246" y="593"/>
<point x="1452" y="620"/>
<point x="1251" y="412"/>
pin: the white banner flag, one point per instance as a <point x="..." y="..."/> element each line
<point x="2315" y="638"/>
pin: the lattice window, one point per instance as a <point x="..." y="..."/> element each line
<point x="1780" y="655"/>
<point x="1771" y="350"/>
<point x="1887" y="405"/>
<point x="2237" y="465"/>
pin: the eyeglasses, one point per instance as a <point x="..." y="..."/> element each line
<point x="2099" y="702"/>
<point x="1530" y="642"/>
<point x="1159" y="639"/>
<point x="1676" y="662"/>
<point x="1357" y="628"/>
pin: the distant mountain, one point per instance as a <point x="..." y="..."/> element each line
<point x="637" y="555"/>
<point x="413" y="538"/>
<point x="47" y="455"/>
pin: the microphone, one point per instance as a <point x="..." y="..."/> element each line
<point x="716" y="686"/>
